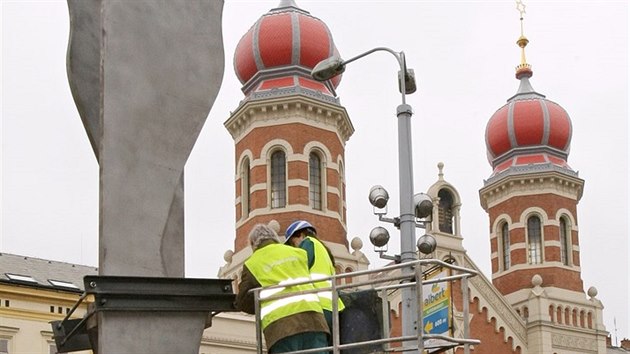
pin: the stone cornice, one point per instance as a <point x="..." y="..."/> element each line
<point x="497" y="191"/>
<point x="295" y="108"/>
<point x="528" y="169"/>
<point x="22" y="314"/>
<point x="288" y="91"/>
<point x="38" y="294"/>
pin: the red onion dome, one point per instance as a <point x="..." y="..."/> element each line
<point x="285" y="42"/>
<point x="528" y="130"/>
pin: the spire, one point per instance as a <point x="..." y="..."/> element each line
<point x="288" y="5"/>
<point x="523" y="69"/>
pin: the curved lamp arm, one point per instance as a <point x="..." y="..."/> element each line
<point x="333" y="66"/>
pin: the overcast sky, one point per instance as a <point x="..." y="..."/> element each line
<point x="463" y="54"/>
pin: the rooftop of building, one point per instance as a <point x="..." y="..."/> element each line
<point x="43" y="273"/>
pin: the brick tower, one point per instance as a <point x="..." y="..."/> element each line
<point x="531" y="199"/>
<point x="532" y="194"/>
<point x="289" y="133"/>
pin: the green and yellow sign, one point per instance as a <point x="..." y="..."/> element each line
<point x="436" y="304"/>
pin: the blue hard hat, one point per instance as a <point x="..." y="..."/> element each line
<point x="295" y="227"/>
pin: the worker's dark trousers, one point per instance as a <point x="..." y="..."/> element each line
<point x="306" y="340"/>
<point x="328" y="316"/>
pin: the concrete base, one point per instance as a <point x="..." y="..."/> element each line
<point x="162" y="332"/>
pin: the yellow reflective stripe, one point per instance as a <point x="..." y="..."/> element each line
<point x="276" y="304"/>
<point x="321" y="283"/>
<point x="325" y="294"/>
<point x="317" y="276"/>
<point x="269" y="292"/>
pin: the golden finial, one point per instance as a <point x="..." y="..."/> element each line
<point x="522" y="41"/>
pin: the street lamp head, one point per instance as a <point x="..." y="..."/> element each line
<point x="410" y="81"/>
<point x="379" y="236"/>
<point x="378" y="196"/>
<point x="426" y="244"/>
<point x="328" y="68"/>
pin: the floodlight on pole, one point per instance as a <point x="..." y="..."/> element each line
<point x="426" y="244"/>
<point x="378" y="197"/>
<point x="379" y="236"/>
<point x="411" y="310"/>
<point x="423" y="205"/>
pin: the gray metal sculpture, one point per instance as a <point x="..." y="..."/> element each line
<point x="144" y="75"/>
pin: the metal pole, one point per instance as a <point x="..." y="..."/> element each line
<point x="420" y="325"/>
<point x="465" y="308"/>
<point x="407" y="219"/>
<point x="335" y="316"/>
<point x="259" y="334"/>
<point x="386" y="313"/>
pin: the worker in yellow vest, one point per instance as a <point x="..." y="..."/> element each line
<point x="321" y="262"/>
<point x="289" y="323"/>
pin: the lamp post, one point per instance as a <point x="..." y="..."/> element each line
<point x="333" y="66"/>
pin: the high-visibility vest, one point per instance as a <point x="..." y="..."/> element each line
<point x="278" y="264"/>
<point x="323" y="268"/>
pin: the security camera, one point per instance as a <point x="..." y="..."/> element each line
<point x="426" y="244"/>
<point x="423" y="205"/>
<point x="379" y="236"/>
<point x="378" y="196"/>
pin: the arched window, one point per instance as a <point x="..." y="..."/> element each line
<point x="534" y="235"/>
<point x="246" y="188"/>
<point x="349" y="279"/>
<point x="278" y="180"/>
<point x="505" y="245"/>
<point x="315" y="180"/>
<point x="445" y="211"/>
<point x="564" y="241"/>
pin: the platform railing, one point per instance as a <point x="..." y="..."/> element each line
<point x="427" y="343"/>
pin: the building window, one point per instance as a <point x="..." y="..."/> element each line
<point x="445" y="211"/>
<point x="341" y="191"/>
<point x="315" y="180"/>
<point x="564" y="241"/>
<point x="534" y="235"/>
<point x="4" y="346"/>
<point x="246" y="188"/>
<point x="505" y="244"/>
<point x="278" y="180"/>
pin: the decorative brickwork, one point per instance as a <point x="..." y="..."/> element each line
<point x="297" y="129"/>
<point x="548" y="198"/>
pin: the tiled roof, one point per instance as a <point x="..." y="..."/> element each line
<point x="38" y="272"/>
